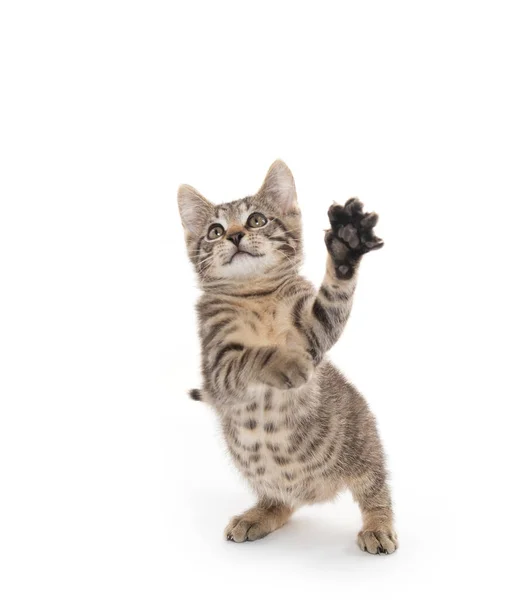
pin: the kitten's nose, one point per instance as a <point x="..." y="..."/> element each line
<point x="236" y="237"/>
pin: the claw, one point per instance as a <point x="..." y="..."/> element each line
<point x="376" y="243"/>
<point x="370" y="220"/>
<point x="354" y="206"/>
<point x="335" y="212"/>
<point x="370" y="240"/>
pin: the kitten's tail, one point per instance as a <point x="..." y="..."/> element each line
<point x="196" y="395"/>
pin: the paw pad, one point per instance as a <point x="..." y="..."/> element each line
<point x="351" y="235"/>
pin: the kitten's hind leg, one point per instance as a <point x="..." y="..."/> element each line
<point x="257" y="522"/>
<point x="372" y="494"/>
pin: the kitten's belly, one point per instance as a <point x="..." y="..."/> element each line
<point x="267" y="447"/>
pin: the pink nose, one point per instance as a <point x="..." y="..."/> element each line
<point x="236" y="237"/>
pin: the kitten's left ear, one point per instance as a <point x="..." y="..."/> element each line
<point x="279" y="188"/>
<point x="195" y="210"/>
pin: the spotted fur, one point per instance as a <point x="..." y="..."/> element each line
<point x="295" y="427"/>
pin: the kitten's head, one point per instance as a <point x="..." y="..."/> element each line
<point x="257" y="238"/>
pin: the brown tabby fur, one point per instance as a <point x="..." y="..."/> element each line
<point x="294" y="426"/>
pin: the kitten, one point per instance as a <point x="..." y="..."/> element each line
<point x="294" y="426"/>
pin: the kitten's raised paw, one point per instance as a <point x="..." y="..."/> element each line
<point x="351" y="235"/>
<point x="377" y="542"/>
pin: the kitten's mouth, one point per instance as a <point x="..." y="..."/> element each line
<point x="241" y="253"/>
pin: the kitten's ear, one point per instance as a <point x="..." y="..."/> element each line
<point x="195" y="210"/>
<point x="279" y="188"/>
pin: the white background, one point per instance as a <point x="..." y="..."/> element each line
<point x="112" y="483"/>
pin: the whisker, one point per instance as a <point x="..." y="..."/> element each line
<point x="287" y="258"/>
<point x="209" y="258"/>
<point x="205" y="261"/>
<point x="280" y="238"/>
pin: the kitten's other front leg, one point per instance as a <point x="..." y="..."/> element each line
<point x="233" y="367"/>
<point x="257" y="522"/>
<point x="287" y="369"/>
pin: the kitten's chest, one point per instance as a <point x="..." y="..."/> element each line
<point x="268" y="323"/>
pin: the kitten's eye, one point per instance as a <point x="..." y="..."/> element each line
<point x="215" y="232"/>
<point x="257" y="220"/>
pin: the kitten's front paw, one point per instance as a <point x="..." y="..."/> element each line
<point x="287" y="369"/>
<point x="351" y="235"/>
<point x="377" y="542"/>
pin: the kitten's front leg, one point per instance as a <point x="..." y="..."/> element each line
<point x="287" y="368"/>
<point x="321" y="319"/>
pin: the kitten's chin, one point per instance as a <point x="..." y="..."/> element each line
<point x="246" y="266"/>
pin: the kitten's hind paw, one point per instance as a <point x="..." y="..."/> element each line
<point x="377" y="542"/>
<point x="351" y="235"/>
<point x="257" y="522"/>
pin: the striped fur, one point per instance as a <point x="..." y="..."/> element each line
<point x="295" y="427"/>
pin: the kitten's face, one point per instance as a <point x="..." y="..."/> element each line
<point x="245" y="239"/>
<point x="253" y="238"/>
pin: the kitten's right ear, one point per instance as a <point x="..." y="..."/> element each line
<point x="195" y="210"/>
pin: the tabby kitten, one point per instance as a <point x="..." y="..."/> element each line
<point x="294" y="426"/>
